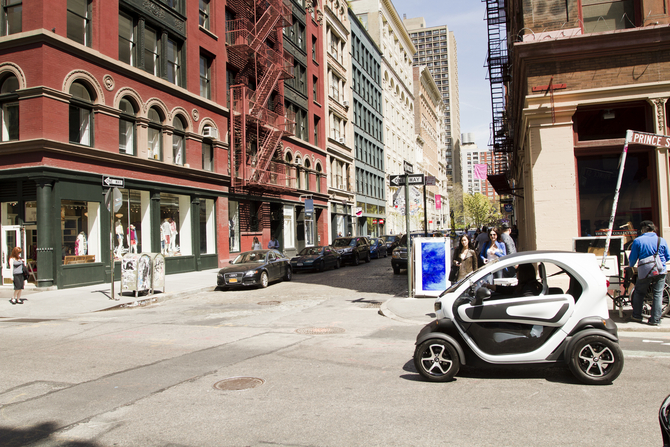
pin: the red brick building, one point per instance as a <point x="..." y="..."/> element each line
<point x="135" y="90"/>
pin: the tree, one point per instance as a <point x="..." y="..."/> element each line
<point x="479" y="210"/>
<point x="456" y="203"/>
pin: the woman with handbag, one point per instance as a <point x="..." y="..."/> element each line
<point x="19" y="279"/>
<point x="464" y="259"/>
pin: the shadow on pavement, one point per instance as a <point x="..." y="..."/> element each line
<point x="10" y="437"/>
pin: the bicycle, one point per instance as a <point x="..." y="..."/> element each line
<point x="626" y="299"/>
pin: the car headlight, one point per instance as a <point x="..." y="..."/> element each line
<point x="347" y="250"/>
<point x="395" y="255"/>
<point x="250" y="273"/>
<point x="311" y="261"/>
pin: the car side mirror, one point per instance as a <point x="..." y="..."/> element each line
<point x="481" y="294"/>
<point x="230" y="261"/>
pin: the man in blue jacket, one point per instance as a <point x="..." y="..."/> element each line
<point x="645" y="246"/>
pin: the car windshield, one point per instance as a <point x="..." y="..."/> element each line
<point x="308" y="251"/>
<point x="250" y="256"/>
<point x="390" y="238"/>
<point x="374" y="241"/>
<point x="344" y="242"/>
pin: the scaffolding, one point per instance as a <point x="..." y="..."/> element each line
<point x="258" y="118"/>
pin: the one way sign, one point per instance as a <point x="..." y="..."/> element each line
<point x="397" y="180"/>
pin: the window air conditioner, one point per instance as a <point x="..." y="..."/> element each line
<point x="210" y="132"/>
<point x="346" y="104"/>
<point x="340" y="140"/>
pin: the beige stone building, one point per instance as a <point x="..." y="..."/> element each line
<point x="576" y="76"/>
<point x="428" y="112"/>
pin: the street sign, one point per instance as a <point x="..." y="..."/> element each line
<point x="415" y="179"/>
<point x="509" y="208"/>
<point x="111" y="182"/>
<point x="409" y="169"/>
<point x="397" y="180"/>
<point x="430" y="180"/>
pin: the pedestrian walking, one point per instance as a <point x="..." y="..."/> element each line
<point x="510" y="247"/>
<point x="650" y="252"/>
<point x="492" y="249"/>
<point x="481" y="239"/>
<point x="464" y="258"/>
<point x="19" y="280"/>
<point x="273" y="244"/>
<point x="256" y="245"/>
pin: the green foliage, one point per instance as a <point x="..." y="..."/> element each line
<point x="479" y="210"/>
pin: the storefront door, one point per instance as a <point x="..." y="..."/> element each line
<point x="12" y="236"/>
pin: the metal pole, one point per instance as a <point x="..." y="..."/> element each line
<point x="622" y="162"/>
<point x="111" y="247"/>
<point x="425" y="212"/>
<point x="409" y="240"/>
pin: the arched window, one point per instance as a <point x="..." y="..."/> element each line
<point x="81" y="115"/>
<point x="319" y="173"/>
<point x="10" y="108"/>
<point x="178" y="141"/>
<point x="127" y="127"/>
<point x="308" y="165"/>
<point x="154" y="141"/>
<point x="298" y="173"/>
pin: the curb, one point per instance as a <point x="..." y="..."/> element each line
<point x="143" y="301"/>
<point x="386" y="312"/>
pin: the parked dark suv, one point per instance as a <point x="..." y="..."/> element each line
<point x="353" y="249"/>
<point x="399" y="255"/>
<point x="392" y="241"/>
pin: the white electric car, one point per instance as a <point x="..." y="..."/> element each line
<point x="563" y="319"/>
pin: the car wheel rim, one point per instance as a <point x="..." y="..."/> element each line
<point x="595" y="359"/>
<point x="288" y="274"/>
<point x="264" y="279"/>
<point x="436" y="360"/>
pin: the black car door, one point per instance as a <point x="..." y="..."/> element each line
<point x="272" y="266"/>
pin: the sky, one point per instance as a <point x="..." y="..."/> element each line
<point x="466" y="18"/>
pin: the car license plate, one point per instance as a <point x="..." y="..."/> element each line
<point x="299" y="264"/>
<point x="232" y="280"/>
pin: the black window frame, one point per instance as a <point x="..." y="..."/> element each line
<point x="8" y="5"/>
<point x="128" y="118"/>
<point x="77" y="104"/>
<point x="9" y="99"/>
<point x="87" y="23"/>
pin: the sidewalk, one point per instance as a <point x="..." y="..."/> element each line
<point x="420" y="311"/>
<point x="59" y="303"/>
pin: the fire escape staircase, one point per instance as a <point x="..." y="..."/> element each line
<point x="250" y="120"/>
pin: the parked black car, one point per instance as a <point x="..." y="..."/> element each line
<point x="316" y="258"/>
<point x="399" y="254"/>
<point x="353" y="249"/>
<point x="255" y="268"/>
<point x="392" y="241"/>
<point x="378" y="247"/>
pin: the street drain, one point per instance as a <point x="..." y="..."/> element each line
<point x="238" y="383"/>
<point x="269" y="303"/>
<point x="319" y="330"/>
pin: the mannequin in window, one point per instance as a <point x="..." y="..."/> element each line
<point x="118" y="229"/>
<point x="173" y="235"/>
<point x="80" y="245"/>
<point x="132" y="237"/>
<point x="165" y="236"/>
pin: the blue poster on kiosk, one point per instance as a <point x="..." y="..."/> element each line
<point x="432" y="261"/>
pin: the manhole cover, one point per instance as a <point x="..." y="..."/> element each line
<point x="371" y="304"/>
<point x="269" y="303"/>
<point x="238" y="383"/>
<point x="319" y="330"/>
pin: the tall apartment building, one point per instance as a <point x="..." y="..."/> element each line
<point x="339" y="123"/>
<point x="471" y="156"/>
<point x="366" y="61"/>
<point x="427" y="119"/>
<point x="381" y="20"/>
<point x="436" y="49"/>
<point x="575" y="78"/>
<point x="135" y="93"/>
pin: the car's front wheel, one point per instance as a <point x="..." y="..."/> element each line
<point x="264" y="279"/>
<point x="337" y="263"/>
<point x="356" y="259"/>
<point x="596" y="360"/>
<point x="289" y="274"/>
<point x="436" y="360"/>
<point x="396" y="270"/>
<point x="368" y="258"/>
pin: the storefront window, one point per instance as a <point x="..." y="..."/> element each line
<point x="175" y="225"/>
<point x="597" y="182"/>
<point x="131" y="224"/>
<point x="234" y="226"/>
<point x="80" y="232"/>
<point x="309" y="232"/>
<point x="207" y="227"/>
<point x="289" y="225"/>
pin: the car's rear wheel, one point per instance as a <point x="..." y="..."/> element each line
<point x="436" y="360"/>
<point x="322" y="266"/>
<point x="596" y="360"/>
<point x="264" y="279"/>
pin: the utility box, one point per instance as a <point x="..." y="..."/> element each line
<point x="136" y="273"/>
<point x="157" y="272"/>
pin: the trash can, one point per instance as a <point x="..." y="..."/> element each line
<point x="135" y="273"/>
<point x="157" y="272"/>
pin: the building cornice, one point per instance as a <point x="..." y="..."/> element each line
<point x="400" y="27"/>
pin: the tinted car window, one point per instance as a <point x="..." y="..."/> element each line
<point x="250" y="256"/>
<point x="344" y="242"/>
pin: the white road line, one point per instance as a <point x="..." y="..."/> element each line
<point x="652" y="341"/>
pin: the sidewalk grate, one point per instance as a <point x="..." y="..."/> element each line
<point x="319" y="330"/>
<point x="238" y="383"/>
<point x="269" y="303"/>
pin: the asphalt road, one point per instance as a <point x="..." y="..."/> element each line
<point x="328" y="370"/>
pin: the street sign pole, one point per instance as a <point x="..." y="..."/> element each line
<point x="113" y="200"/>
<point x="425" y="212"/>
<point x="409" y="241"/>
